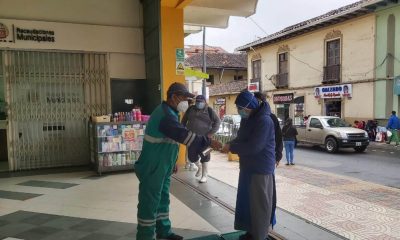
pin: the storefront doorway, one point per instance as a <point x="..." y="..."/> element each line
<point x="3" y="151"/>
<point x="283" y="112"/>
<point x="51" y="96"/>
<point x="333" y="107"/>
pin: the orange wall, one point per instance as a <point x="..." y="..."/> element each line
<point x="172" y="37"/>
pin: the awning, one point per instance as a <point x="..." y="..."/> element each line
<point x="216" y="13"/>
<point x="298" y="100"/>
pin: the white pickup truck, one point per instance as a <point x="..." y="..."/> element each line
<point x="332" y="133"/>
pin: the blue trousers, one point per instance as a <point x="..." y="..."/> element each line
<point x="289" y="147"/>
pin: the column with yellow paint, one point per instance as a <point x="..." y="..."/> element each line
<point x="172" y="37"/>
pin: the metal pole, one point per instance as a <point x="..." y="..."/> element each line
<point x="204" y="61"/>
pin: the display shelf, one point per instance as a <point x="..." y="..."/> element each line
<point x="115" y="146"/>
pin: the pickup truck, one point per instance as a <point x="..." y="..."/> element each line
<point x="332" y="133"/>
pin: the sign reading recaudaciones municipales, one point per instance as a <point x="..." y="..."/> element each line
<point x="12" y="33"/>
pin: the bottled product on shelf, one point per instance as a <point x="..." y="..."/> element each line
<point x="134" y="115"/>
<point x="117" y="144"/>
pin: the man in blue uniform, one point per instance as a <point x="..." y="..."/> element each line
<point x="163" y="134"/>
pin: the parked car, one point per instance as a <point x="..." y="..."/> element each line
<point x="229" y="125"/>
<point x="332" y="133"/>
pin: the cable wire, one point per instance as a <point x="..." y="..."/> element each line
<point x="262" y="29"/>
<point x="316" y="69"/>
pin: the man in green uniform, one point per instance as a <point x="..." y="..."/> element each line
<point x="163" y="134"/>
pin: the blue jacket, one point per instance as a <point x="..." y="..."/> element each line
<point x="255" y="142"/>
<point x="394" y="122"/>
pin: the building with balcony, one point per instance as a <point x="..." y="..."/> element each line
<point x="322" y="66"/>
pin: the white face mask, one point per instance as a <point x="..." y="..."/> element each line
<point x="183" y="106"/>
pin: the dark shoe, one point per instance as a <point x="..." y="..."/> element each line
<point x="387" y="142"/>
<point x="287" y="164"/>
<point x="246" y="236"/>
<point x="292" y="164"/>
<point x="172" y="236"/>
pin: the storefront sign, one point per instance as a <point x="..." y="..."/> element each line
<point x="397" y="85"/>
<point x="11" y="33"/>
<point x="220" y="101"/>
<point x="36" y="35"/>
<point x="180" y="61"/>
<point x="337" y="91"/>
<point x="254" y="87"/>
<point x="283" y="98"/>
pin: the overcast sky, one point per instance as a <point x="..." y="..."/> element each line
<point x="271" y="15"/>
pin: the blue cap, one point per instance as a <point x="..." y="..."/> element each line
<point x="246" y="99"/>
<point x="200" y="98"/>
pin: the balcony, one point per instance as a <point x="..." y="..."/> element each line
<point x="282" y="80"/>
<point x="331" y="74"/>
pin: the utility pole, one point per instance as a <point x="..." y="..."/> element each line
<point x="204" y="61"/>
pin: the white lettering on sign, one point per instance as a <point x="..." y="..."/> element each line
<point x="283" y="98"/>
<point x="337" y="91"/>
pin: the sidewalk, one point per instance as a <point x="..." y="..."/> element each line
<point x="347" y="206"/>
<point x="84" y="206"/>
<point x="379" y="146"/>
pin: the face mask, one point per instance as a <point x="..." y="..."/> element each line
<point x="200" y="105"/>
<point x="243" y="113"/>
<point x="182" y="106"/>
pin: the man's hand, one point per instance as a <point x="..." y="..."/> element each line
<point x="226" y="148"/>
<point x="215" y="144"/>
<point x="277" y="163"/>
<point x="175" y="169"/>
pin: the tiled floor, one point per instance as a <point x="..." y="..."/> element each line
<point x="47" y="184"/>
<point x="30" y="225"/>
<point x="349" y="207"/>
<point x="79" y="205"/>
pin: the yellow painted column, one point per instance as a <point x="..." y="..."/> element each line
<point x="172" y="37"/>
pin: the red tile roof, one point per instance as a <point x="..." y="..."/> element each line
<point x="218" y="60"/>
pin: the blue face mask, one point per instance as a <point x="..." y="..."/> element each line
<point x="200" y="105"/>
<point x="243" y="113"/>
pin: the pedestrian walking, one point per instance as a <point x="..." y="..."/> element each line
<point x="157" y="161"/>
<point x="289" y="134"/>
<point x="202" y="120"/>
<point x="189" y="165"/>
<point x="255" y="145"/>
<point x="393" y="126"/>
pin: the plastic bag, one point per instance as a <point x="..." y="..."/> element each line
<point x="378" y="137"/>
<point x="389" y="134"/>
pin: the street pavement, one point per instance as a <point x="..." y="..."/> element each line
<point x="379" y="164"/>
<point x="323" y="189"/>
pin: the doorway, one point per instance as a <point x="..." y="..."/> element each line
<point x="127" y="94"/>
<point x="51" y="96"/>
<point x="3" y="151"/>
<point x="283" y="112"/>
<point x="333" y="107"/>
